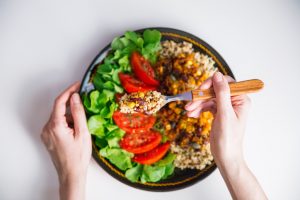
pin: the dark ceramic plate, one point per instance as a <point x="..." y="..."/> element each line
<point x="180" y="178"/>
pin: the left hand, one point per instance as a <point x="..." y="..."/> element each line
<point x="69" y="146"/>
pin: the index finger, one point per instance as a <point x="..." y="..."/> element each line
<point x="204" y="86"/>
<point x="59" y="109"/>
<point x="208" y="82"/>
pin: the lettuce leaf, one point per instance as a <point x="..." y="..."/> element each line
<point x="91" y="104"/>
<point x="96" y="101"/>
<point x="114" y="137"/>
<point x="118" y="157"/>
<point x="169" y="158"/>
<point x="96" y="125"/>
<point x="151" y="36"/>
<point x="111" y="127"/>
<point x="169" y="169"/>
<point x="108" y="94"/>
<point x="100" y="142"/>
<point x="152" y="173"/>
<point x="133" y="174"/>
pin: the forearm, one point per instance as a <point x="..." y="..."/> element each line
<point x="72" y="187"/>
<point x="240" y="181"/>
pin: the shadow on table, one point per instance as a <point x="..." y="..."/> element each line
<point x="35" y="105"/>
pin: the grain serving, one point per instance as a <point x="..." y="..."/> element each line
<point x="147" y="102"/>
<point x="193" y="158"/>
<point x="180" y="69"/>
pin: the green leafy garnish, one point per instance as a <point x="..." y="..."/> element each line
<point x="96" y="125"/>
<point x="169" y="169"/>
<point x="133" y="174"/>
<point x="152" y="37"/>
<point x="117" y="156"/>
<point x="114" y="137"/>
<point x="152" y="173"/>
<point x="167" y="160"/>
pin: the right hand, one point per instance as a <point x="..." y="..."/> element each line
<point x="230" y="115"/>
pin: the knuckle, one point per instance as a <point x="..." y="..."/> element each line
<point x="45" y="129"/>
<point x="78" y="110"/>
<point x="54" y="125"/>
<point x="43" y="137"/>
<point x="77" y="107"/>
<point x="57" y="100"/>
<point x="223" y="91"/>
<point x="222" y="86"/>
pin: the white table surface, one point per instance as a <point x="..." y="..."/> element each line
<point x="47" y="45"/>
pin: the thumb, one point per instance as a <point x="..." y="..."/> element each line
<point x="222" y="91"/>
<point x="78" y="114"/>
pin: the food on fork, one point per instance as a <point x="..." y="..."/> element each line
<point x="146" y="102"/>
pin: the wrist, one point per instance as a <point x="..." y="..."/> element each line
<point x="71" y="177"/>
<point x="227" y="158"/>
<point x="70" y="172"/>
<point x="231" y="166"/>
<point x="72" y="186"/>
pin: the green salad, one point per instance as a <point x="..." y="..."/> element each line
<point x="113" y="132"/>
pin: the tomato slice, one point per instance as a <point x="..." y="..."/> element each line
<point x="140" y="142"/>
<point x="143" y="69"/>
<point x="133" y="122"/>
<point x="130" y="84"/>
<point x="153" y="155"/>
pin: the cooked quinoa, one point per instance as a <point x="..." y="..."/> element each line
<point x="180" y="69"/>
<point x="192" y="158"/>
<point x="171" y="49"/>
<point x="147" y="102"/>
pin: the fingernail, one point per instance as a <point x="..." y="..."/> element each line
<point x="75" y="98"/>
<point x="218" y="77"/>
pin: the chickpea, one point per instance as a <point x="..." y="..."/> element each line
<point x="131" y="104"/>
<point x="141" y="94"/>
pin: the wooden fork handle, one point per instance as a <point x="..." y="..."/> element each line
<point x="236" y="88"/>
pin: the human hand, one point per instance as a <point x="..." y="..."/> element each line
<point x="230" y="114"/>
<point x="226" y="137"/>
<point x="68" y="142"/>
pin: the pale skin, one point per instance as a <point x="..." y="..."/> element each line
<point x="69" y="143"/>
<point x="226" y="137"/>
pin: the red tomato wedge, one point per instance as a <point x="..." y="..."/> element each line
<point x="133" y="122"/>
<point x="130" y="84"/>
<point x="153" y="155"/>
<point x="142" y="69"/>
<point x="140" y="142"/>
